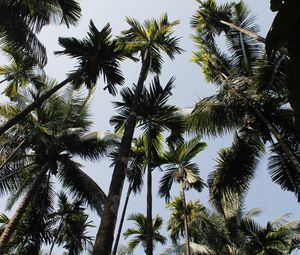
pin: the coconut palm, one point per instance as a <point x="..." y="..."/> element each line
<point x="134" y="173"/>
<point x="96" y="54"/>
<point x="148" y="40"/>
<point x="249" y="101"/>
<point x="180" y="169"/>
<point x="213" y="234"/>
<point x="154" y="116"/>
<point x="72" y="225"/>
<point x="212" y="19"/>
<point x="139" y="231"/>
<point x="20" y="72"/>
<point x="54" y="134"/>
<point x="21" y="21"/>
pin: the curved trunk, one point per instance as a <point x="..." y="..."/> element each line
<point x="149" y="228"/>
<point x="21" y="115"/>
<point x="186" y="223"/>
<point x="104" y="239"/>
<point x="14" y="221"/>
<point x="121" y="220"/>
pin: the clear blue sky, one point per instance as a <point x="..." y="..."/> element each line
<point x="190" y="86"/>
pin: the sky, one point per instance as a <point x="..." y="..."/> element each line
<point x="190" y="87"/>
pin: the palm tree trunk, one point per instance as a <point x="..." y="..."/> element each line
<point x="186" y="223"/>
<point x="14" y="221"/>
<point x="122" y="220"/>
<point x="56" y="236"/>
<point x="12" y="154"/>
<point x="280" y="139"/>
<point x="104" y="239"/>
<point x="149" y="230"/>
<point x="21" y="115"/>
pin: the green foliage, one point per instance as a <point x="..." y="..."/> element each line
<point x="139" y="231"/>
<point x="97" y="54"/>
<point x="179" y="167"/>
<point x="153" y="35"/>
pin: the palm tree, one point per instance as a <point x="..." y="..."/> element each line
<point x="283" y="33"/>
<point x="97" y="54"/>
<point x="53" y="134"/>
<point x="140" y="229"/>
<point x="134" y="173"/>
<point x="22" y="70"/>
<point x="180" y="169"/>
<point x="213" y="234"/>
<point x="71" y="229"/>
<point x="248" y="100"/>
<point x="20" y="21"/>
<point x="176" y="224"/>
<point x="154" y="116"/>
<point x="148" y="40"/>
<point x="212" y="19"/>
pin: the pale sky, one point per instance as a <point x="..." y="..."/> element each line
<point x="190" y="86"/>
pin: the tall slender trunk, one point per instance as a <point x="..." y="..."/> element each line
<point x="56" y="236"/>
<point x="104" y="239"/>
<point x="122" y="220"/>
<point x="12" y="154"/>
<point x="12" y="225"/>
<point x="21" y="115"/>
<point x="149" y="226"/>
<point x="186" y="223"/>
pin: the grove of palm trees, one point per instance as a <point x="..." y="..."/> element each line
<point x="135" y="127"/>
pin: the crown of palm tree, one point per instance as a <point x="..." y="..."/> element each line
<point x="155" y="36"/>
<point x="97" y="54"/>
<point x="29" y="17"/>
<point x="179" y="167"/>
<point x="53" y="133"/>
<point x="139" y="231"/>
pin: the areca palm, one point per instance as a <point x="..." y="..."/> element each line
<point x="21" y="20"/>
<point x="97" y="54"/>
<point x="53" y="134"/>
<point x="140" y="229"/>
<point x="71" y="230"/>
<point x="213" y="233"/>
<point x="212" y="19"/>
<point x="148" y="40"/>
<point x="154" y="116"/>
<point x="180" y="169"/>
<point x="248" y="100"/>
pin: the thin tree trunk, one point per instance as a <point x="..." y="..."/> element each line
<point x="55" y="238"/>
<point x="14" y="221"/>
<point x="104" y="239"/>
<point x="12" y="154"/>
<point x="186" y="223"/>
<point x="149" y="228"/>
<point x="122" y="220"/>
<point x="21" y="115"/>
